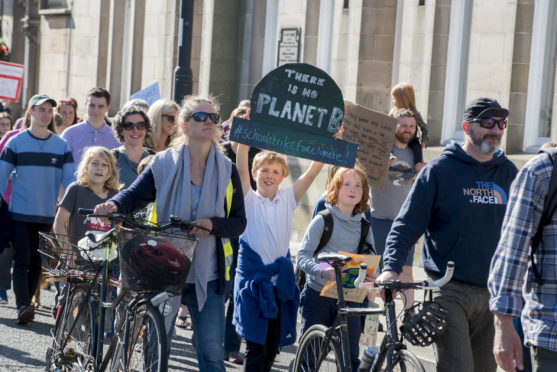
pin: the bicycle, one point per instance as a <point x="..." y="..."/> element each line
<point x="327" y="348"/>
<point x="139" y="341"/>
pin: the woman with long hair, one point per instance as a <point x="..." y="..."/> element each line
<point x="191" y="181"/>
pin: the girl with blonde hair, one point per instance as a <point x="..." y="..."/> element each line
<point x="97" y="180"/>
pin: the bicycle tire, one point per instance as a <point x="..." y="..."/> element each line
<point x="71" y="346"/>
<point x="402" y="361"/>
<point x="312" y="355"/>
<point x="142" y="344"/>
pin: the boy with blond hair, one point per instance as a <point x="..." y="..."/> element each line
<point x="265" y="293"/>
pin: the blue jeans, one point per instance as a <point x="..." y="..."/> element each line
<point x="232" y="340"/>
<point x="317" y="309"/>
<point x="380" y="228"/>
<point x="208" y="327"/>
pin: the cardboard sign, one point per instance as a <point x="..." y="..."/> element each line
<point x="295" y="110"/>
<point x="11" y="77"/>
<point x="375" y="133"/>
<point x="149" y="94"/>
<point x="351" y="269"/>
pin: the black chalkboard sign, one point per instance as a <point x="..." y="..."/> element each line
<point x="295" y="110"/>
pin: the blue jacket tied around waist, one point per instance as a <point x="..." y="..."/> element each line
<point x="254" y="297"/>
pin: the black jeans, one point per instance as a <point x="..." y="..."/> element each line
<point x="27" y="261"/>
<point x="260" y="358"/>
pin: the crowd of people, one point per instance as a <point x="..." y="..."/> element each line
<point x="470" y="204"/>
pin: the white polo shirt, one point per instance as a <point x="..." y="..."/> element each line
<point x="269" y="223"/>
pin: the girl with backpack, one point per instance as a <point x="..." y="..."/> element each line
<point x="347" y="198"/>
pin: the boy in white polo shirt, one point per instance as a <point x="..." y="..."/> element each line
<point x="265" y="293"/>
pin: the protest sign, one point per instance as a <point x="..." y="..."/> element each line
<point x="11" y="77"/>
<point x="295" y="110"/>
<point x="351" y="270"/>
<point x="375" y="133"/>
<point x="149" y="94"/>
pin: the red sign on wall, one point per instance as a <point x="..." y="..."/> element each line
<point x="11" y="77"/>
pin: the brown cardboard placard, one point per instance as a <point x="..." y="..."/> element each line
<point x="351" y="269"/>
<point x="375" y="133"/>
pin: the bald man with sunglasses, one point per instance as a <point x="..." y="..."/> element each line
<point x="458" y="202"/>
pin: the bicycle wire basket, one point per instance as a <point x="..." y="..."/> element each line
<point x="60" y="258"/>
<point x="422" y="327"/>
<point x="154" y="261"/>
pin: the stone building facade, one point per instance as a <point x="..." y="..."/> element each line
<point x="451" y="51"/>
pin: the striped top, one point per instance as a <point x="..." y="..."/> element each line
<point x="38" y="168"/>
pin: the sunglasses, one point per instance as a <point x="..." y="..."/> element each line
<point x="202" y="116"/>
<point x="128" y="125"/>
<point x="170" y="118"/>
<point x="489" y="123"/>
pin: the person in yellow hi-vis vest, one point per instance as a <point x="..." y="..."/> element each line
<point x="194" y="181"/>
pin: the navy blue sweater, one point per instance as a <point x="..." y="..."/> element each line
<point x="142" y="191"/>
<point x="459" y="204"/>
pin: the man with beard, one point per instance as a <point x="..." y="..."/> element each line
<point x="386" y="202"/>
<point x="458" y="201"/>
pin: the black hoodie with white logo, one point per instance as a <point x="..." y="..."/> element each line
<point x="458" y="203"/>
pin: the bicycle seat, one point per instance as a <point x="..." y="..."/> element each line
<point x="334" y="258"/>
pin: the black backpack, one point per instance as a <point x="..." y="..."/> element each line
<point x="363" y="247"/>
<point x="549" y="208"/>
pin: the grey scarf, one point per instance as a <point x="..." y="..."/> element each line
<point x="171" y="170"/>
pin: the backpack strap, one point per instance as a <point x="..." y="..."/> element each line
<point x="327" y="230"/>
<point x="549" y="208"/>
<point x="364" y="247"/>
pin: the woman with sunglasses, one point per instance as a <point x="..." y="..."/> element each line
<point x="131" y="127"/>
<point x="195" y="181"/>
<point x="163" y="114"/>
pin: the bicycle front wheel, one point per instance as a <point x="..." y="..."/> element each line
<point x="315" y="353"/>
<point x="72" y="333"/>
<point x="401" y="361"/>
<point x="144" y="341"/>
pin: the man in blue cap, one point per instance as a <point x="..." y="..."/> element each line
<point x="458" y="202"/>
<point x="40" y="163"/>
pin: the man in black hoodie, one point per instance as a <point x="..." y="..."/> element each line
<point x="458" y="201"/>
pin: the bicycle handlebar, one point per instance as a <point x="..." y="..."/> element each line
<point x="175" y="221"/>
<point x="428" y="284"/>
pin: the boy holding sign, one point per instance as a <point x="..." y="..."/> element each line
<point x="265" y="293"/>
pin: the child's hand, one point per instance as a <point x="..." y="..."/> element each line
<point x="418" y="166"/>
<point x="328" y="274"/>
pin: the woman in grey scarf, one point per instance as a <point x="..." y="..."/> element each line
<point x="191" y="180"/>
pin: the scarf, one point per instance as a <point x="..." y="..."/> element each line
<point x="171" y="171"/>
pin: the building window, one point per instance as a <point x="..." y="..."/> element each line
<point x="541" y="78"/>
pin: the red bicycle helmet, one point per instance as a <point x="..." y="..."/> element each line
<point x="156" y="262"/>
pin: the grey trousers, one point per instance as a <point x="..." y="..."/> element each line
<point x="543" y="360"/>
<point x="6" y="260"/>
<point x="468" y="339"/>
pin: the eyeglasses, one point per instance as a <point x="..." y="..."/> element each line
<point x="170" y="118"/>
<point x="202" y="116"/>
<point x="128" y="125"/>
<point x="489" y="123"/>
